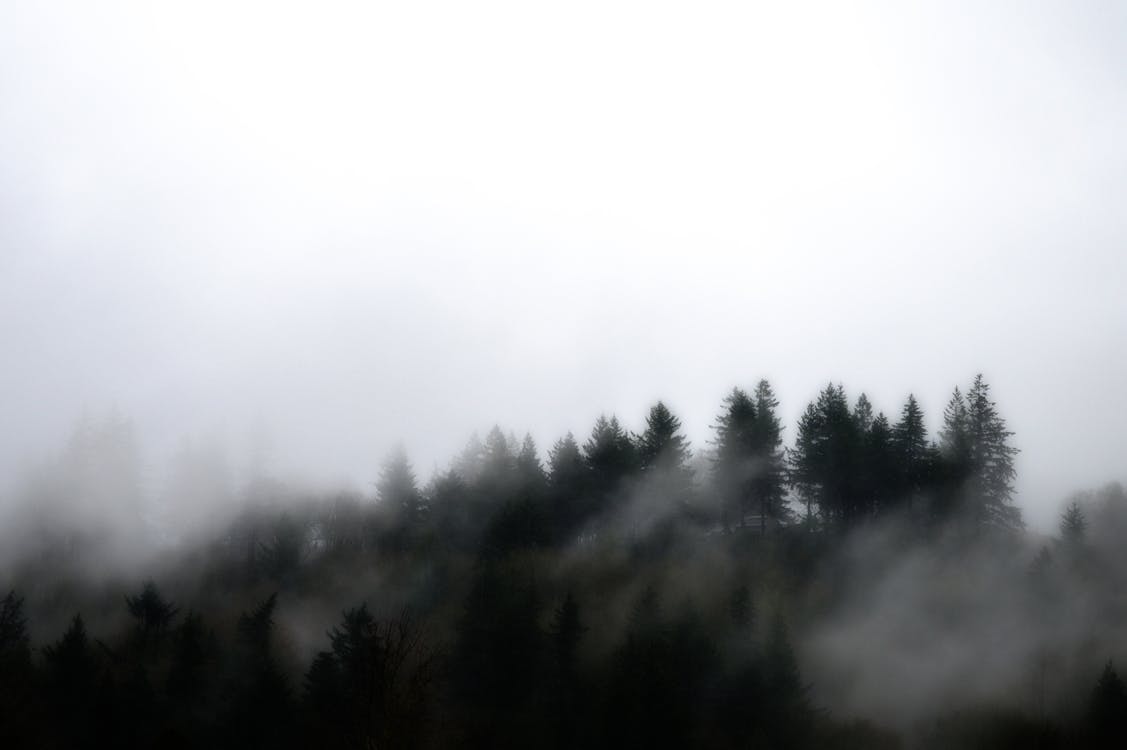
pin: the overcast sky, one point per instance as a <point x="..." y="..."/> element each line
<point x="326" y="226"/>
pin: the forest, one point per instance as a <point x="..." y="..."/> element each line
<point x="856" y="580"/>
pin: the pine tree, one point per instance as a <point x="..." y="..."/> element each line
<point x="15" y="648"/>
<point x="788" y="712"/>
<point x="882" y="475"/>
<point x="768" y="481"/>
<point x="825" y="461"/>
<point x="258" y="712"/>
<point x="664" y="455"/>
<point x="1073" y="525"/>
<point x="397" y="488"/>
<point x="530" y="474"/>
<point x="611" y="457"/>
<point x="733" y="468"/>
<point x="955" y="458"/>
<point x="977" y="461"/>
<point x="498" y="476"/>
<point x="71" y="674"/>
<point x="805" y="460"/>
<point x="910" y="445"/>
<point x="17" y="688"/>
<point x="1107" y="710"/>
<point x="566" y="632"/>
<point x="568" y="488"/>
<point x="152" y="613"/>
<point x="863" y="413"/>
<point x="191" y="651"/>
<point x="992" y="460"/>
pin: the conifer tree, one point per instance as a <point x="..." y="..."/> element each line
<point x="768" y="481"/>
<point x="530" y="473"/>
<point x="568" y="487"/>
<point x="733" y="467"/>
<point x="499" y="465"/>
<point x="152" y="613"/>
<point x="566" y="632"/>
<point x="611" y="457"/>
<point x="17" y="686"/>
<point x="955" y="457"/>
<point x="909" y="442"/>
<point x="1073" y="525"/>
<point x="882" y="475"/>
<point x="824" y="465"/>
<point x="397" y="489"/>
<point x="992" y="460"/>
<point x="663" y="454"/>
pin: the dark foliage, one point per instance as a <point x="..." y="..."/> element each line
<point x="550" y="603"/>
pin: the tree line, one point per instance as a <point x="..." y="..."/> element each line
<point x="622" y="594"/>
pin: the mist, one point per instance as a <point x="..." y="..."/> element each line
<point x="305" y="307"/>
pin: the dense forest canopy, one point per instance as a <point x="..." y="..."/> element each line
<point x="860" y="580"/>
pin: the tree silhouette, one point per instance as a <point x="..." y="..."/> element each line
<point x="824" y="464"/>
<point x="611" y="457"/>
<point x="153" y="615"/>
<point x="992" y="460"/>
<point x="1107" y="710"/>
<point x="912" y="453"/>
<point x="17" y="701"/>
<point x="663" y="454"/>
<point x="768" y="480"/>
<point x="1073" y="525"/>
<point x="370" y="690"/>
<point x="569" y="487"/>
<point x="258" y="707"/>
<point x="566" y="632"/>
<point x="397" y="491"/>
<point x="734" y="466"/>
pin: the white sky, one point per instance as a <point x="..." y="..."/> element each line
<point x="341" y="224"/>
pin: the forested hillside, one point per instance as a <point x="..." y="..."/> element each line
<point x="856" y="580"/>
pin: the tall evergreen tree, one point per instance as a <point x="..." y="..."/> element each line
<point x="611" y="457"/>
<point x="152" y="613"/>
<point x="913" y="454"/>
<point x="992" y="460"/>
<point x="530" y="473"/>
<point x="398" y="491"/>
<point x="498" y="477"/>
<point x="824" y="465"/>
<point x="768" y="480"/>
<point x="1073" y="525"/>
<point x="955" y="458"/>
<point x="734" y="468"/>
<point x="663" y="454"/>
<point x="17" y="686"/>
<point x="1107" y="710"/>
<point x="977" y="461"/>
<point x="568" y="487"/>
<point x="788" y="712"/>
<point x="881" y="468"/>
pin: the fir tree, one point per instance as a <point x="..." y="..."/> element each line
<point x="1073" y="525"/>
<point x="992" y="460"/>
<point x="397" y="489"/>
<point x="768" y="481"/>
<point x="611" y="457"/>
<point x="734" y="468"/>
<point x="568" y="488"/>
<point x="910" y="446"/>
<point x="663" y="454"/>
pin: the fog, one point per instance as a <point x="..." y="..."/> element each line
<point x="250" y="250"/>
<point x="312" y="231"/>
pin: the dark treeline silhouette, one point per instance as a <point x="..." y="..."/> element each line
<point x="622" y="595"/>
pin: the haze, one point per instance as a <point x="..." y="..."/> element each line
<point x="309" y="231"/>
